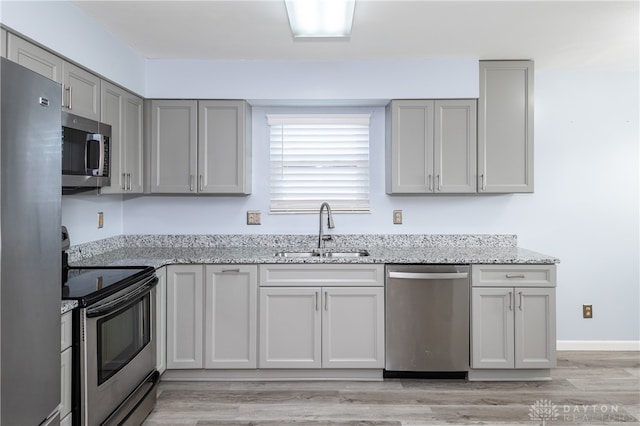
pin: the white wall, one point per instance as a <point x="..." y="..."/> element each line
<point x="584" y="210"/>
<point x="317" y="80"/>
<point x="80" y="216"/>
<point x="65" y="29"/>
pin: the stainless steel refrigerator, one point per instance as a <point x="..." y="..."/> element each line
<point x="30" y="287"/>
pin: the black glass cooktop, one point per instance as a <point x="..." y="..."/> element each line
<point x="89" y="285"/>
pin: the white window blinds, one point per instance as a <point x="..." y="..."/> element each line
<point x="317" y="158"/>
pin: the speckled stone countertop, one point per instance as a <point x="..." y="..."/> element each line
<point x="68" y="305"/>
<point x="160" y="250"/>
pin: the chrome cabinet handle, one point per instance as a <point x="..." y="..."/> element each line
<point x="520" y="302"/>
<point x="201" y="184"/>
<point x="511" y="301"/>
<point x="228" y="271"/>
<point x="483" y="184"/>
<point x="316" y="299"/>
<point x="511" y="276"/>
<point x="124" y="181"/>
<point x="129" y="179"/>
<point x="326" y="301"/>
<point x="70" y="98"/>
<point x="191" y="183"/>
<point x="63" y="94"/>
<point x="430" y="184"/>
<point x="439" y="183"/>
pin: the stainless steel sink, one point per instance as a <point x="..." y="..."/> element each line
<point x="298" y="254"/>
<point x="355" y="253"/>
<point x="323" y="253"/>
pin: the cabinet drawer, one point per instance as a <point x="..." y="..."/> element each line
<point x="322" y="275"/>
<point x="513" y="275"/>
<point x="65" y="331"/>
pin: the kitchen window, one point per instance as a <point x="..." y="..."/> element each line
<point x="316" y="158"/>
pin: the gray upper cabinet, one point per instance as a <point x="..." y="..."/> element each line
<point x="81" y="92"/>
<point x="200" y="147"/>
<point x="431" y="146"/>
<point x="3" y="42"/>
<point x="224" y="147"/>
<point x="174" y="146"/>
<point x="81" y="89"/>
<point x="455" y="146"/>
<point x="35" y="58"/>
<point x="124" y="112"/>
<point x="505" y="127"/>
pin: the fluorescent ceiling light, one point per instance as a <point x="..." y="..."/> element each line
<point x="320" y="18"/>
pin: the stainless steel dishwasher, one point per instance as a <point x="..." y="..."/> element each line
<point x="427" y="320"/>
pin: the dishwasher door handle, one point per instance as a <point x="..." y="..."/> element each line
<point x="428" y="275"/>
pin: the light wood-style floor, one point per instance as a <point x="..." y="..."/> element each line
<point x="588" y="388"/>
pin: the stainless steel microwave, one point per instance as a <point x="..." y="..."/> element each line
<point x="85" y="152"/>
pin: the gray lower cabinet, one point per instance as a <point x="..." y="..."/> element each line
<point x="200" y="147"/>
<point x="431" y="146"/>
<point x="211" y="316"/>
<point x="124" y="112"/>
<point x="321" y="316"/>
<point x="66" y="358"/>
<point x="513" y="317"/>
<point x="81" y="89"/>
<point x="505" y="127"/>
<point x="160" y="334"/>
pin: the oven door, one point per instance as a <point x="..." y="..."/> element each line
<point x="118" y="351"/>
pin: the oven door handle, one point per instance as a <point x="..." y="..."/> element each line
<point x="124" y="301"/>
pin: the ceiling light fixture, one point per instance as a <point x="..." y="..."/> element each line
<point x="320" y="18"/>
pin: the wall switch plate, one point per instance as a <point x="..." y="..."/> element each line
<point x="397" y="217"/>
<point x="587" y="311"/>
<point x="100" y="220"/>
<point x="253" y="217"/>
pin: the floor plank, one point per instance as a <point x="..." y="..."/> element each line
<point x="588" y="388"/>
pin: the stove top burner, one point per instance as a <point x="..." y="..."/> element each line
<point x="88" y="285"/>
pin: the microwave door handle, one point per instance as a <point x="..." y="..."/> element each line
<point x="101" y="161"/>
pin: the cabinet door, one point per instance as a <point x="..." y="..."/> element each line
<point x="111" y="112"/>
<point x="3" y="42"/>
<point x="290" y="327"/>
<point x="35" y="58"/>
<point x="132" y="148"/>
<point x="160" y="335"/>
<point x="82" y="92"/>
<point x="224" y="147"/>
<point x="455" y="146"/>
<point x="185" y="288"/>
<point x="492" y="328"/>
<point x="505" y="126"/>
<point x="231" y="316"/>
<point x="353" y="327"/>
<point x="174" y="144"/>
<point x="65" y="381"/>
<point x="410" y="147"/>
<point x="535" y="328"/>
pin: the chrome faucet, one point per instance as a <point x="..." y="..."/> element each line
<point x="322" y="238"/>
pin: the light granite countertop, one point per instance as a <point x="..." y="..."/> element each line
<point x="68" y="305"/>
<point x="164" y="250"/>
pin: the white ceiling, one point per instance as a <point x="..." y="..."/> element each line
<point x="556" y="34"/>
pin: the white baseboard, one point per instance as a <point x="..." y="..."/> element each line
<point x="598" y="345"/>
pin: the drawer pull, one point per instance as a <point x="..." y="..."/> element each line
<point x="515" y="275"/>
<point x="236" y="270"/>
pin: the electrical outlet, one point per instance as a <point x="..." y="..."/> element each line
<point x="253" y="217"/>
<point x="100" y="220"/>
<point x="587" y="311"/>
<point x="397" y="217"/>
